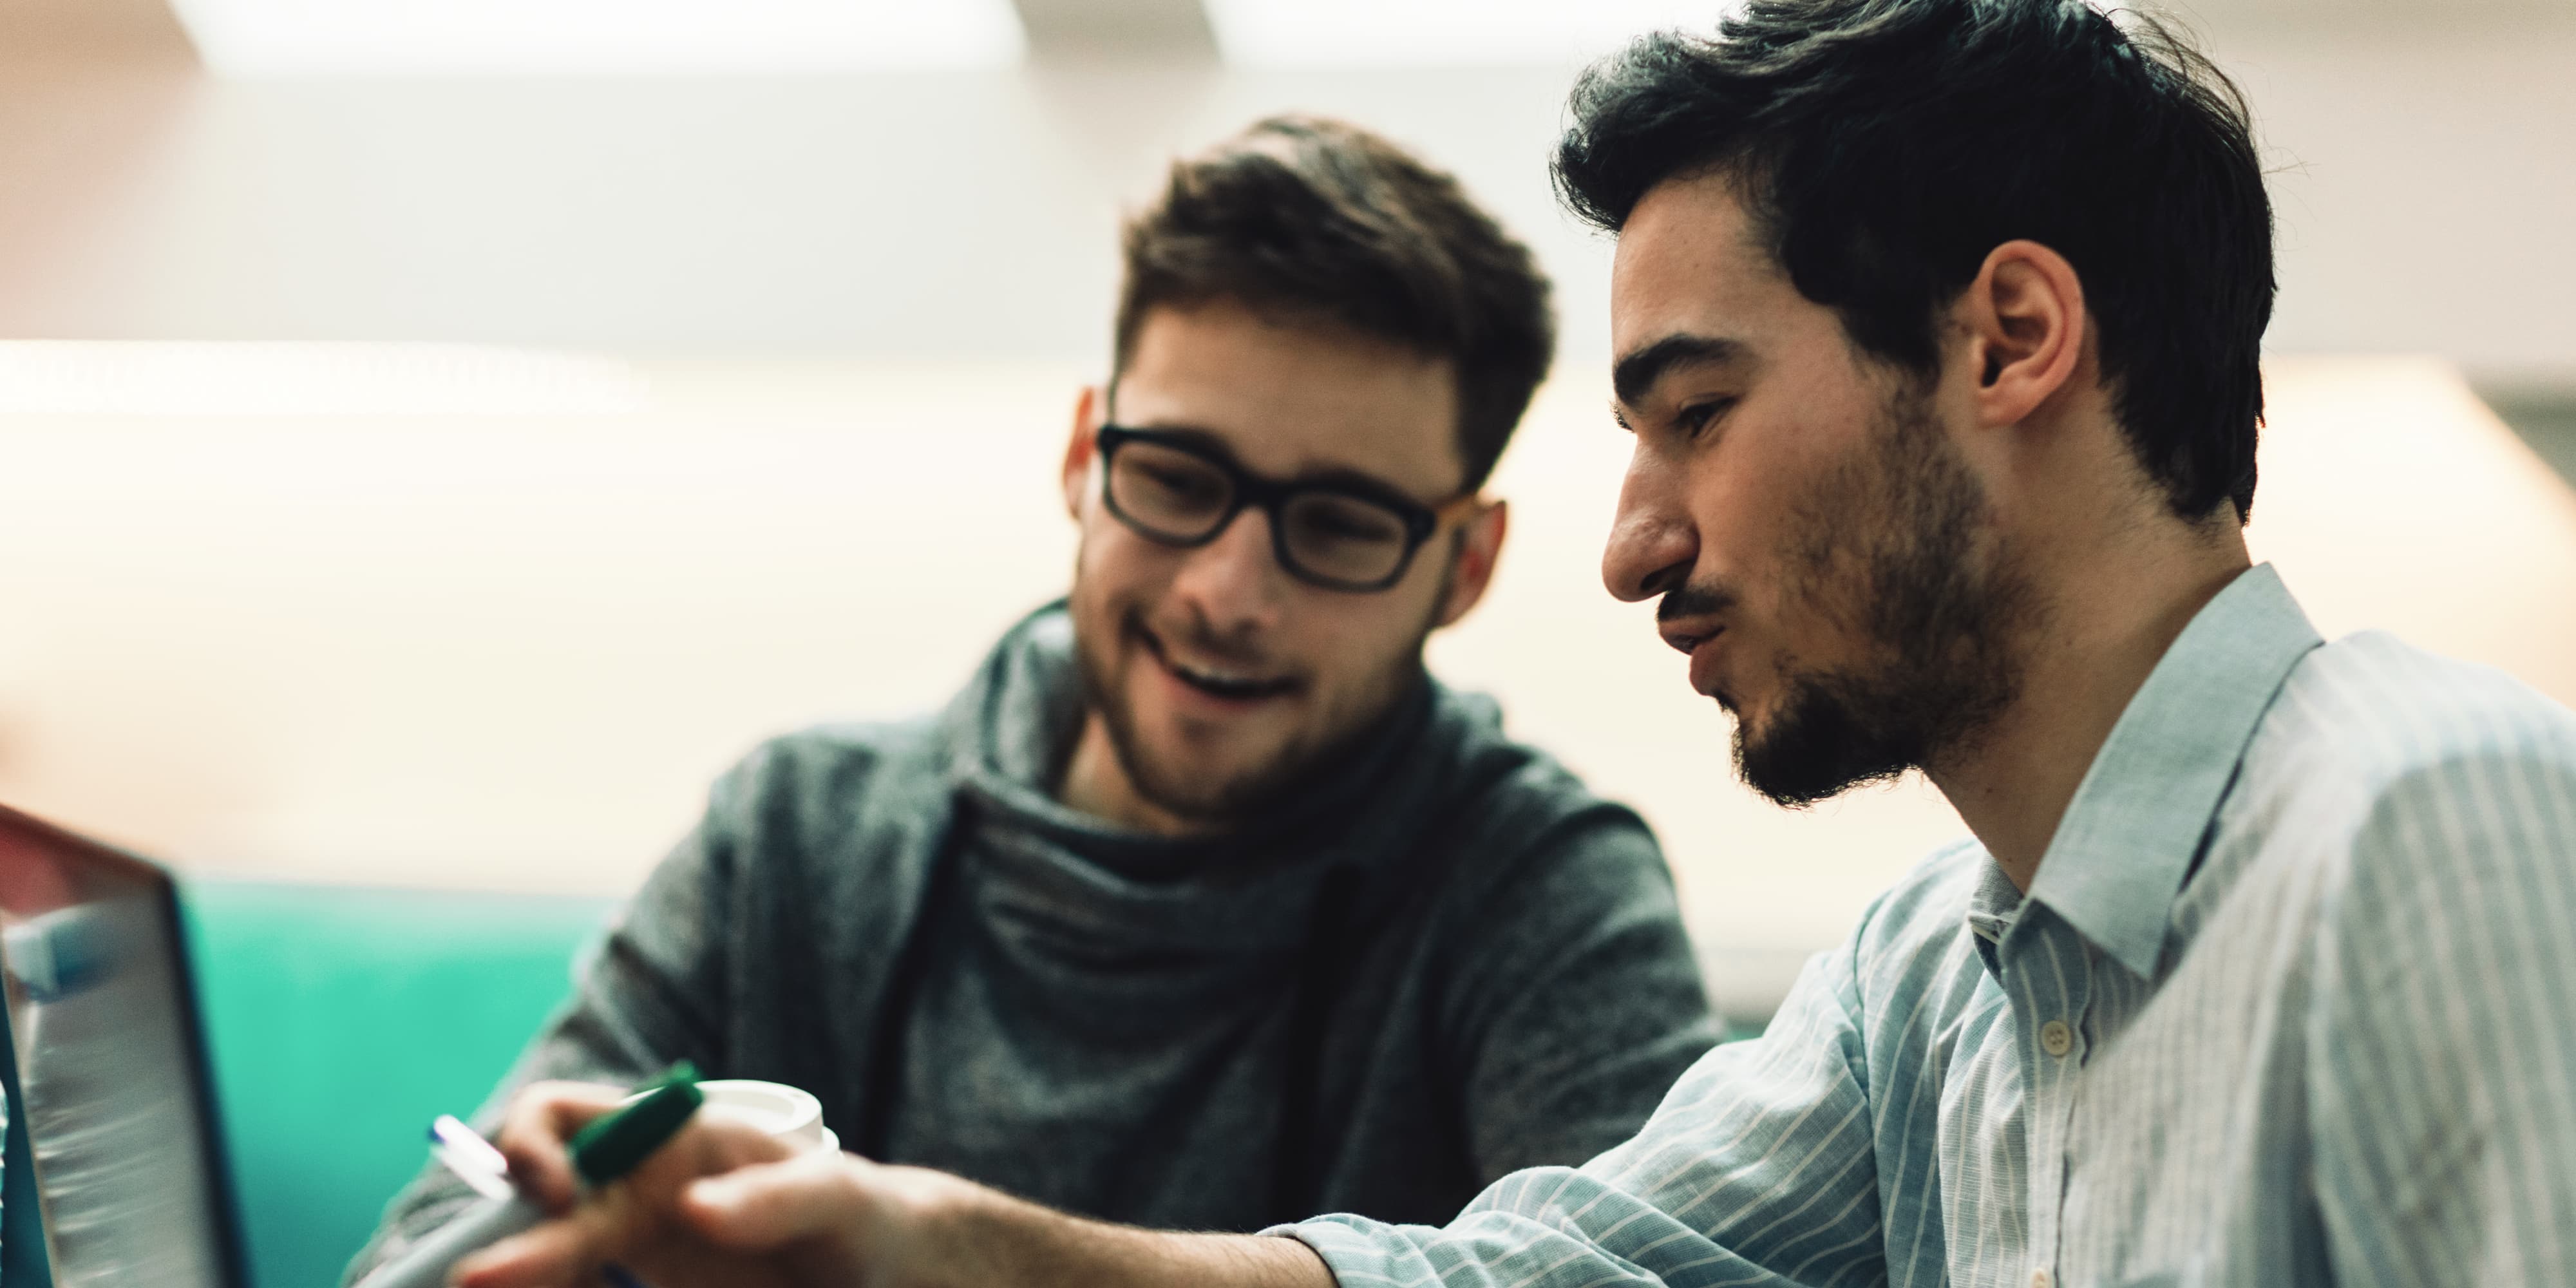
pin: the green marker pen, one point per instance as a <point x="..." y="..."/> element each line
<point x="611" y="1146"/>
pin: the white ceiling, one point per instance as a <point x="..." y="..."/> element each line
<point x="375" y="37"/>
<point x="1323" y="33"/>
<point x="555" y="37"/>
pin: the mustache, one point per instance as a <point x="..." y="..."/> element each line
<point x="1694" y="601"/>
<point x="1195" y="636"/>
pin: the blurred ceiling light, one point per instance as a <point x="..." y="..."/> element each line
<point x="152" y="378"/>
<point x="630" y="37"/>
<point x="1307" y="33"/>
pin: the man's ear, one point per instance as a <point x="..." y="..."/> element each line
<point x="2026" y="328"/>
<point x="1089" y="411"/>
<point x="1480" y="545"/>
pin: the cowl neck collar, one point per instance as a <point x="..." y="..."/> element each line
<point x="1015" y="727"/>
<point x="1069" y="887"/>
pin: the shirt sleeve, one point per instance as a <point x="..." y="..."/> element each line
<point x="2444" y="1033"/>
<point x="1757" y="1170"/>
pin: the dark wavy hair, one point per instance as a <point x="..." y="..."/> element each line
<point x="1315" y="220"/>
<point x="1886" y="146"/>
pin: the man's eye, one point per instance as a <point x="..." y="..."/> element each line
<point x="1183" y="483"/>
<point x="1695" y="419"/>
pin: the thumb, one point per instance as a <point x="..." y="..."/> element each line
<point x="770" y="1205"/>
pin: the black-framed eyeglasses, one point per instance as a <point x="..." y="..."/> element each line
<point x="1340" y="536"/>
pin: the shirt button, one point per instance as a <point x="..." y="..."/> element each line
<point x="2056" y="1039"/>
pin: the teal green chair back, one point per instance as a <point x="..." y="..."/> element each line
<point x="340" y="1021"/>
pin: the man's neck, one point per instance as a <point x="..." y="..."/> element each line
<point x="2112" y="610"/>
<point x="1096" y="783"/>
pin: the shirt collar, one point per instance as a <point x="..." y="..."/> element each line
<point x="2129" y="837"/>
<point x="1991" y="908"/>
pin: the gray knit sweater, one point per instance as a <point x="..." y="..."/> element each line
<point x="1443" y="961"/>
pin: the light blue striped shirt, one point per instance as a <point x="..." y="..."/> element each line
<point x="2291" y="1001"/>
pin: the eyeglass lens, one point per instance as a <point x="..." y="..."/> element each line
<point x="1177" y="496"/>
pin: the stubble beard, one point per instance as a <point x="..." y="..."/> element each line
<point x="1191" y="792"/>
<point x="1885" y="547"/>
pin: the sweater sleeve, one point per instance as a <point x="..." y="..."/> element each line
<point x="650" y="991"/>
<point x="1577" y="1002"/>
<point x="1757" y="1171"/>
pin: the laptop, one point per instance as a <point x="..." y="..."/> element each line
<point x="112" y="1111"/>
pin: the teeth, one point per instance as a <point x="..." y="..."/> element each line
<point x="1215" y="679"/>
<point x="1220" y="679"/>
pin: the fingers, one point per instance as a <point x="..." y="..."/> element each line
<point x="627" y="1218"/>
<point x="632" y="1220"/>
<point x="721" y="1139"/>
<point x="540" y="1119"/>
<point x="770" y="1205"/>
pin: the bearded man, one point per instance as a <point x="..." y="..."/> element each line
<point x="1203" y="905"/>
<point x="1937" y="324"/>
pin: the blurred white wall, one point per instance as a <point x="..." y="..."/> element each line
<point x="2426" y="177"/>
<point x="494" y="618"/>
<point x="489" y="647"/>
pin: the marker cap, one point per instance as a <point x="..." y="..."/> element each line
<point x="614" y="1143"/>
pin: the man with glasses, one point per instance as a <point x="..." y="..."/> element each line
<point x="1937" y="329"/>
<point x="1203" y="906"/>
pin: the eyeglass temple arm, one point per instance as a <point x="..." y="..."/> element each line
<point x="1467" y="503"/>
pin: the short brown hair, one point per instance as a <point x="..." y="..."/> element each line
<point x="1310" y="219"/>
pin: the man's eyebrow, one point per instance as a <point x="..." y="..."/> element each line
<point x="1205" y="440"/>
<point x="1635" y="375"/>
<point x="1341" y="477"/>
<point x="1346" y="479"/>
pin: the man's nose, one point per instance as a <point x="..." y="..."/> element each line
<point x="1652" y="541"/>
<point x="1234" y="582"/>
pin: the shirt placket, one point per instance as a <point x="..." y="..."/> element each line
<point x="2052" y="985"/>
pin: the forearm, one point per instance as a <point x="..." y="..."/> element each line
<point x="987" y="1238"/>
<point x="697" y="1216"/>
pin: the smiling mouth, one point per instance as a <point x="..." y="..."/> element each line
<point x="1233" y="686"/>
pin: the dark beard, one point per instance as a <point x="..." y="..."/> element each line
<point x="1185" y="794"/>
<point x="1885" y="547"/>
<point x="1174" y="789"/>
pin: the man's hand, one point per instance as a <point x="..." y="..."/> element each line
<point x="723" y="1204"/>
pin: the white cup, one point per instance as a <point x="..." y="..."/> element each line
<point x="788" y="1113"/>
